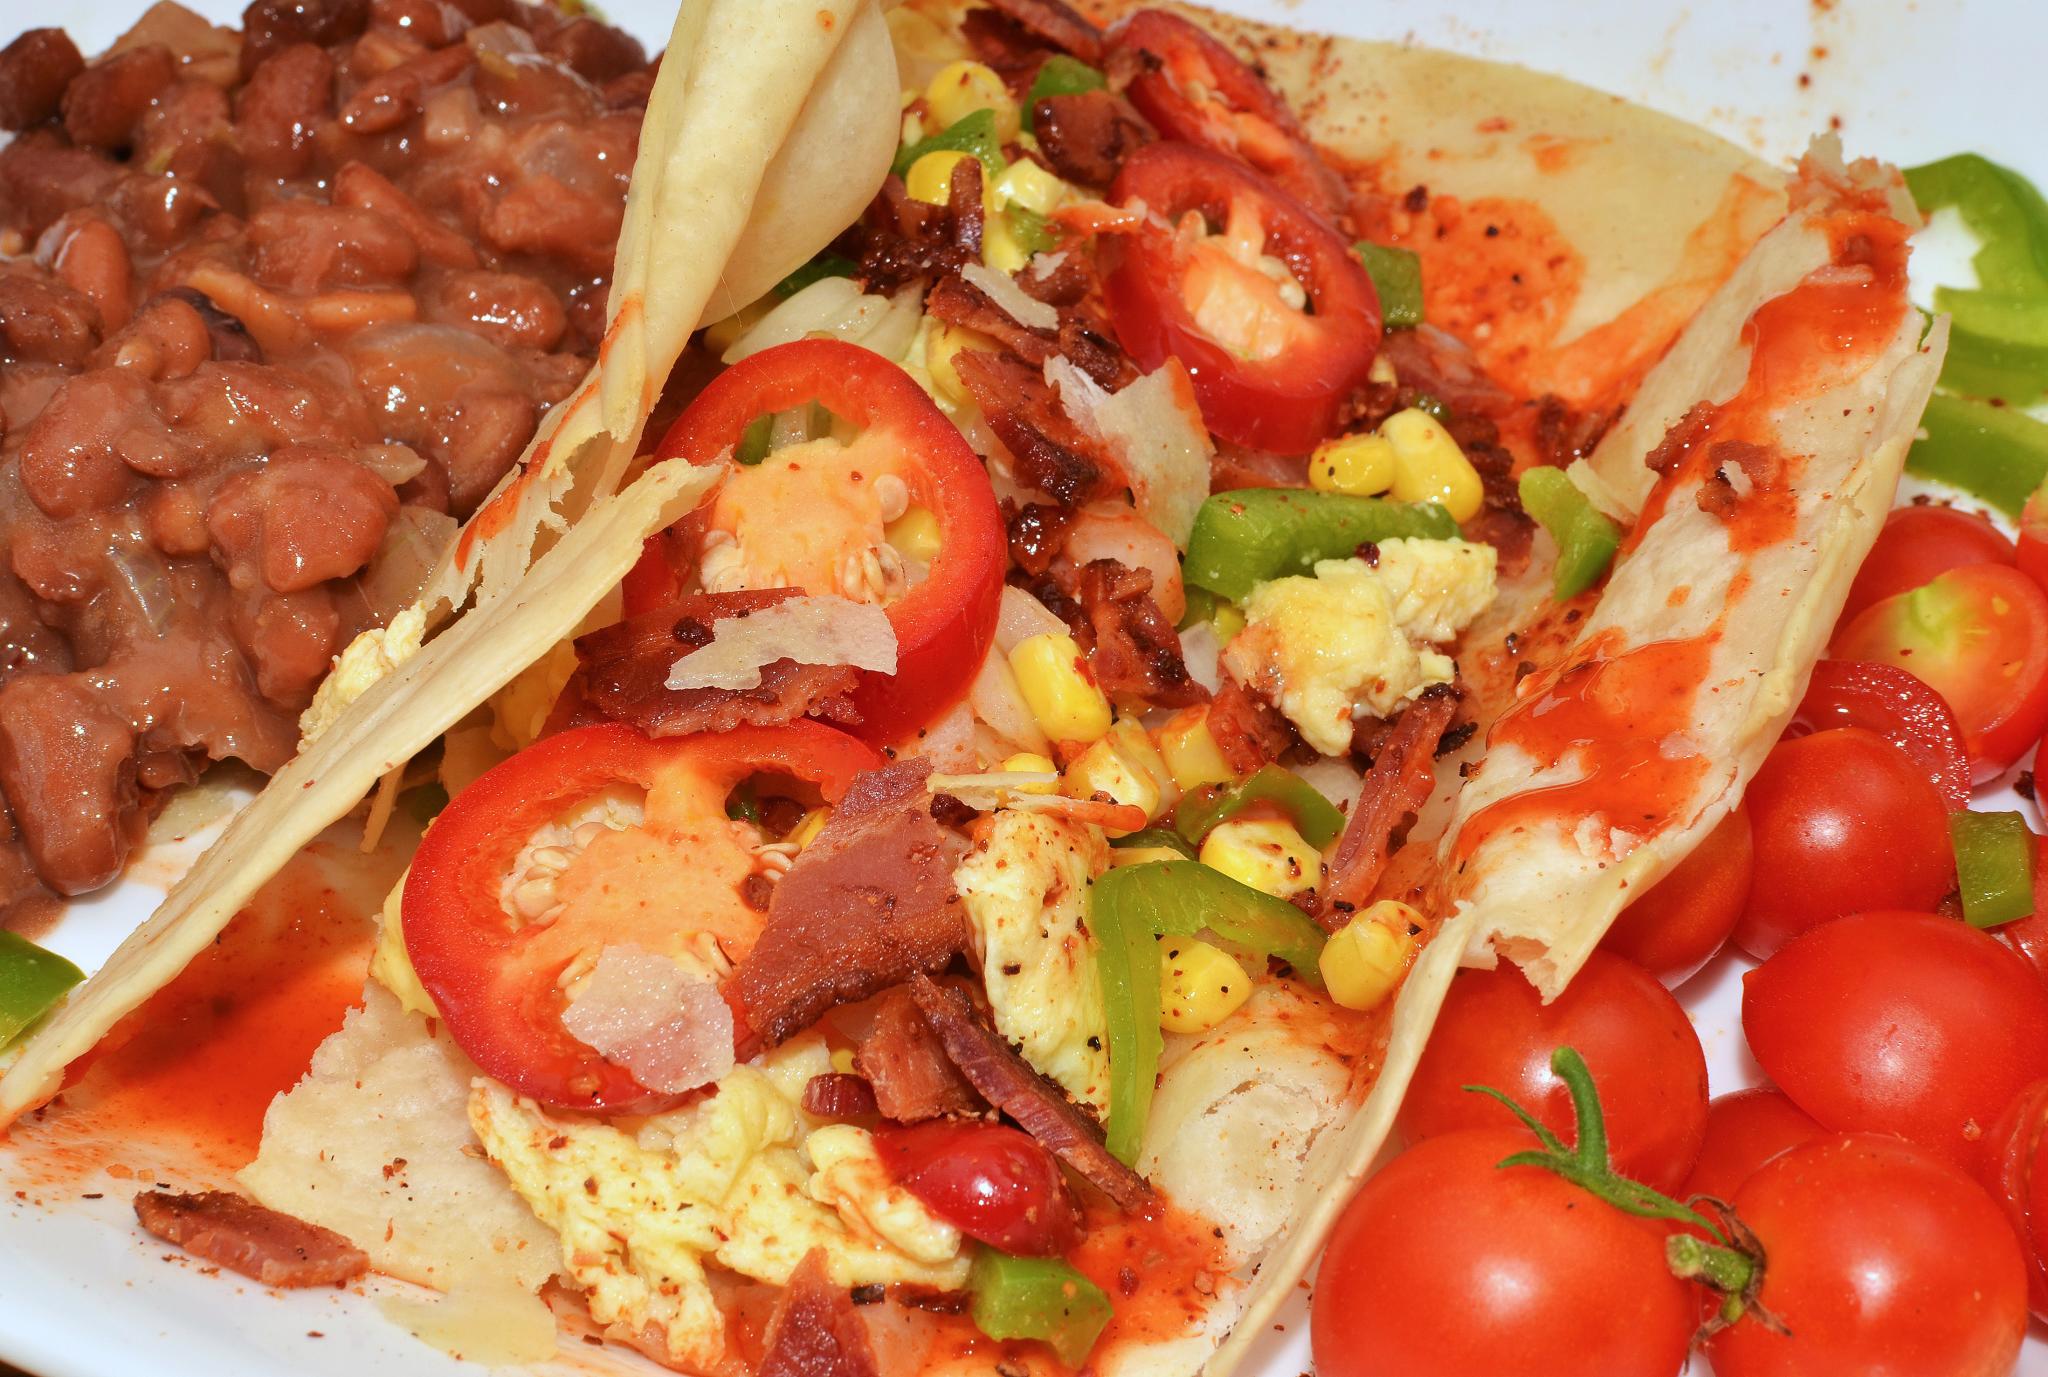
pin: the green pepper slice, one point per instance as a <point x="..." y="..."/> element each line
<point x="1992" y="452"/>
<point x="32" y="980"/>
<point x="972" y="133"/>
<point x="1397" y="277"/>
<point x="1994" y="866"/>
<point x="1032" y="231"/>
<point x="826" y="264"/>
<point x="1154" y="838"/>
<point x="1999" y="345"/>
<point x="1247" y="536"/>
<point x="1037" y="1298"/>
<point x="1586" y="538"/>
<point x="1060" y="75"/>
<point x="1315" y="817"/>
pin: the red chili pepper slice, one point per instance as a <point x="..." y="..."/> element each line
<point x="945" y="624"/>
<point x="1897" y="706"/>
<point x="1278" y="378"/>
<point x="1196" y="90"/>
<point x="495" y="975"/>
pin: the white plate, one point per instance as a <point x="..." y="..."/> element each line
<point x="82" y="1294"/>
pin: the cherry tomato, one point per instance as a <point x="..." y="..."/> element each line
<point x="2015" y="1171"/>
<point x="1267" y="374"/>
<point x="2028" y="936"/>
<point x="1918" y="543"/>
<point x="992" y="1183"/>
<point x="1194" y="89"/>
<point x="1843" y="822"/>
<point x="1899" y="1023"/>
<point x="1686" y="917"/>
<point x="1879" y="1259"/>
<point x="1495" y="1030"/>
<point x="1447" y="1265"/>
<point x="2032" y="556"/>
<point x="1979" y="636"/>
<point x="496" y="976"/>
<point x="1899" y="708"/>
<point x="1746" y="1129"/>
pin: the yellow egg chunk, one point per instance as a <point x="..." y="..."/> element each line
<point x="1200" y="985"/>
<point x="1266" y="853"/>
<point x="1363" y="963"/>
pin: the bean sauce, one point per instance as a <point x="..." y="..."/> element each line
<point x="277" y="307"/>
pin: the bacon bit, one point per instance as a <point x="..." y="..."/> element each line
<point x="838" y="1095"/>
<point x="1563" y="434"/>
<point x="1038" y="532"/>
<point x="814" y="1331"/>
<point x="1248" y="730"/>
<point x="957" y="301"/>
<point x="1087" y="136"/>
<point x="1716" y="496"/>
<point x="909" y="1076"/>
<point x="261" y="1243"/>
<point x="1398" y="784"/>
<point x="1058" y="24"/>
<point x="1134" y="651"/>
<point x="1050" y="452"/>
<point x="1010" y="1083"/>
<point x="1677" y="444"/>
<point x="901" y="239"/>
<point x="867" y="903"/>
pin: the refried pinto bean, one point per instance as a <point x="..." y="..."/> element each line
<point x="248" y="315"/>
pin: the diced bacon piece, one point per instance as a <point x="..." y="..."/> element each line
<point x="1398" y="784"/>
<point x="814" y="1330"/>
<point x="911" y="1077"/>
<point x="261" y="1243"/>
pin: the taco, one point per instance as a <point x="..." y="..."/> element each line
<point x="981" y="826"/>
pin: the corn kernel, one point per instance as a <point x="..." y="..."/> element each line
<point x="1027" y="184"/>
<point x="1125" y="770"/>
<point x="1364" y="961"/>
<point x="941" y="344"/>
<point x="958" y="89"/>
<point x="1429" y="466"/>
<point x="809" y="826"/>
<point x="1057" y="688"/>
<point x="915" y="534"/>
<point x="1265" y="853"/>
<point x="1362" y="465"/>
<point x="1031" y="762"/>
<point x="1139" y="855"/>
<point x="1199" y="985"/>
<point x="1190" y="750"/>
<point x="842" y="1060"/>
<point x="1137" y="748"/>
<point x="1000" y="248"/>
<point x="930" y="178"/>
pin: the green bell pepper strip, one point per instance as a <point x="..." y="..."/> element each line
<point x="1586" y="538"/>
<point x="32" y="980"/>
<point x="1994" y="866"/>
<point x="1032" y="231"/>
<point x="1397" y="279"/>
<point x="1037" y="1298"/>
<point x="1247" y="536"/>
<point x="973" y="133"/>
<point x="1130" y="907"/>
<point x="755" y="441"/>
<point x="1060" y="75"/>
<point x="1154" y="838"/>
<point x="1991" y="452"/>
<point x="1999" y="346"/>
<point x="1315" y="817"/>
<point x="827" y="264"/>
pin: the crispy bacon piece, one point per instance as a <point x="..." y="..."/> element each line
<point x="959" y="302"/>
<point x="838" y="1095"/>
<point x="906" y="1066"/>
<point x="1678" y="442"/>
<point x="901" y="239"/>
<point x="261" y="1243"/>
<point x="867" y="904"/>
<point x="1248" y="730"/>
<point x="1008" y="1082"/>
<point x="814" y="1330"/>
<point x="623" y="674"/>
<point x="1135" y="651"/>
<point x="1037" y="533"/>
<point x="1397" y="785"/>
<point x="1087" y="136"/>
<point x="1057" y="23"/>
<point x="1024" y="411"/>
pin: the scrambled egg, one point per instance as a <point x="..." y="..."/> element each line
<point x="1355" y="640"/>
<point x="390" y="966"/>
<point x="1025" y="887"/>
<point x="729" y="1179"/>
<point x="368" y="658"/>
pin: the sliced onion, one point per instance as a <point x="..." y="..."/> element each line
<point x="821" y="630"/>
<point x="1000" y="705"/>
<point x="413" y="543"/>
<point x="1002" y="289"/>
<point x="1022" y="617"/>
<point x="1154" y="429"/>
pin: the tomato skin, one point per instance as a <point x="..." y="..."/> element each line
<point x="1194" y="89"/>
<point x="1286" y="403"/>
<point x="1843" y="822"/>
<point x="945" y="625"/>
<point x="1918" y="543"/>
<point x="1495" y="1030"/>
<point x="993" y="1183"/>
<point x="2032" y="554"/>
<point x="1686" y="917"/>
<point x="1880" y="1259"/>
<point x="1898" y="707"/>
<point x="1978" y="635"/>
<point x="1745" y="1129"/>
<point x="2015" y="1171"/>
<point x="495" y="984"/>
<point x="1899" y="1023"/>
<point x="1446" y="1265"/>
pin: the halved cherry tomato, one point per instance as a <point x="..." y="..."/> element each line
<point x="1745" y="1129"/>
<point x="2015" y="1171"/>
<point x="1194" y="89"/>
<point x="1978" y="635"/>
<point x="2032" y="554"/>
<point x="945" y="624"/>
<point x="1843" y="822"/>
<point x="990" y="1182"/>
<point x="1267" y="374"/>
<point x="1901" y="1023"/>
<point x="494" y="975"/>
<point x="1494" y="1029"/>
<point x="1879" y="1258"/>
<point x="1896" y="705"/>
<point x="1686" y="917"/>
<point x="1918" y="543"/>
